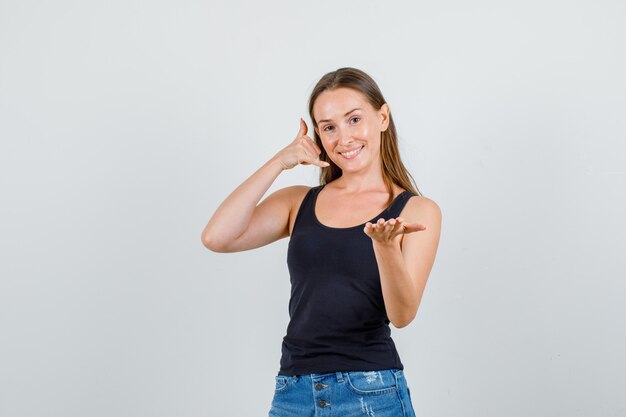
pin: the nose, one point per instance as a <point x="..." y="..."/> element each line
<point x="344" y="137"/>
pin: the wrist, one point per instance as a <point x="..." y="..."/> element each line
<point x="386" y="246"/>
<point x="275" y="161"/>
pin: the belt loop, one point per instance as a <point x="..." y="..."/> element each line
<point x="339" y="376"/>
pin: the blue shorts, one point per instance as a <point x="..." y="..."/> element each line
<point x="382" y="393"/>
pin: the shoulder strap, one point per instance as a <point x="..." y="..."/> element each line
<point x="399" y="203"/>
<point x="305" y="211"/>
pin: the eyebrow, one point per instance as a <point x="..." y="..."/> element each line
<point x="328" y="120"/>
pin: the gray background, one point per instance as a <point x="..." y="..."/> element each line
<point x="123" y="125"/>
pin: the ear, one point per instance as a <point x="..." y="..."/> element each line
<point x="384" y="115"/>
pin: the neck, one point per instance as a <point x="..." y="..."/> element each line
<point x="370" y="179"/>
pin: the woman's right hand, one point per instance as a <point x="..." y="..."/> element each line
<point x="303" y="150"/>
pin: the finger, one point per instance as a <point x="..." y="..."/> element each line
<point x="389" y="225"/>
<point x="316" y="161"/>
<point x="307" y="158"/>
<point x="303" y="128"/>
<point x="317" y="148"/>
<point x="372" y="228"/>
<point x="319" y="163"/>
<point x="413" y="227"/>
<point x="402" y="225"/>
<point x="310" y="143"/>
<point x="302" y="155"/>
<point x="379" y="226"/>
<point x="396" y="226"/>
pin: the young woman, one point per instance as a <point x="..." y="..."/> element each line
<point x="362" y="245"/>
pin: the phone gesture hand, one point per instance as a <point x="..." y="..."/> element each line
<point x="303" y="150"/>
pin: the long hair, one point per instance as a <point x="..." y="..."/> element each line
<point x="393" y="170"/>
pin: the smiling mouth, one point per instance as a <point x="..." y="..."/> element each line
<point x="352" y="154"/>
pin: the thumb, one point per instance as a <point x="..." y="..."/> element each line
<point x="303" y="128"/>
<point x="413" y="227"/>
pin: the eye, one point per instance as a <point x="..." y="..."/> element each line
<point x="326" y="128"/>
<point x="355" y="117"/>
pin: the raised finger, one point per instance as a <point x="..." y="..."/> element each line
<point x="392" y="227"/>
<point x="372" y="227"/>
<point x="396" y="226"/>
<point x="303" y="128"/>
<point x="381" y="225"/>
<point x="388" y="226"/>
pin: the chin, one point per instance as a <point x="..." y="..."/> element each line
<point x="352" y="168"/>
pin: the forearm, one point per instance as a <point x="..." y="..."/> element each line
<point x="233" y="215"/>
<point x="399" y="291"/>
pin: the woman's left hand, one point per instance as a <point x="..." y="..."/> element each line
<point x="390" y="232"/>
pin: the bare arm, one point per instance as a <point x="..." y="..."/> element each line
<point x="405" y="258"/>
<point x="239" y="223"/>
<point x="232" y="217"/>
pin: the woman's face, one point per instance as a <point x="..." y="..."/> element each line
<point x="349" y="127"/>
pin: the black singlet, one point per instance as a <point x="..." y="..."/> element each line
<point x="337" y="312"/>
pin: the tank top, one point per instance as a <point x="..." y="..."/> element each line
<point x="337" y="316"/>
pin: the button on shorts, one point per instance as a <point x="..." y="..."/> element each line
<point x="382" y="393"/>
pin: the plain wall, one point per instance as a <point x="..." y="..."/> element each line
<point x="124" y="125"/>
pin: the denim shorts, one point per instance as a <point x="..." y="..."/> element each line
<point x="383" y="393"/>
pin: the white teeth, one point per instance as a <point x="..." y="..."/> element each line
<point x="351" y="152"/>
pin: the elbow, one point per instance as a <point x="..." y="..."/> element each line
<point x="403" y="322"/>
<point x="212" y="244"/>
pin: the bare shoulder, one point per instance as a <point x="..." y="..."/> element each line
<point x="290" y="196"/>
<point x="284" y="199"/>
<point x="297" y="194"/>
<point x="420" y="207"/>
<point x="425" y="211"/>
<point x="299" y="190"/>
<point x="286" y="194"/>
<point x="293" y="194"/>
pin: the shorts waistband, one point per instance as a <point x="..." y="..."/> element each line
<point x="316" y="377"/>
<point x="339" y="375"/>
